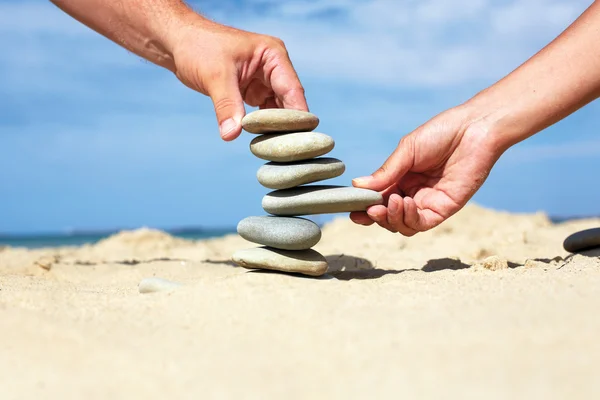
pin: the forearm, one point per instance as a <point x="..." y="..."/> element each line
<point x="146" y="28"/>
<point x="556" y="82"/>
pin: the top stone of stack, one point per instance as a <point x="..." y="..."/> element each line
<point x="279" y="120"/>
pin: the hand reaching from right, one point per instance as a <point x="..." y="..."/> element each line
<point x="431" y="175"/>
<point x="436" y="169"/>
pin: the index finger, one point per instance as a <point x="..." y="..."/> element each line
<point x="286" y="85"/>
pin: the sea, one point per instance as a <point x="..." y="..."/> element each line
<point x="33" y="241"/>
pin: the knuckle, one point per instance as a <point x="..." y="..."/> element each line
<point x="294" y="90"/>
<point x="216" y="75"/>
<point x="381" y="170"/>
<point x="278" y="42"/>
<point x="407" y="232"/>
<point x="404" y="141"/>
<point x="272" y="44"/>
<point x="224" y="103"/>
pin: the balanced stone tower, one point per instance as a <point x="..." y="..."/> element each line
<point x="288" y="141"/>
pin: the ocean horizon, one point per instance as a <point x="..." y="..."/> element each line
<point x="83" y="237"/>
<point x="80" y="238"/>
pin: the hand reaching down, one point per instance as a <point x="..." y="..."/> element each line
<point x="243" y="67"/>
<point x="229" y="65"/>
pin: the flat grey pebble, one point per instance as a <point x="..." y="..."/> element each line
<point x="291" y="146"/>
<point x="275" y="175"/>
<point x="306" y="262"/>
<point x="152" y="285"/>
<point x="279" y="120"/>
<point x="582" y="240"/>
<point x="280" y="232"/>
<point x="319" y="199"/>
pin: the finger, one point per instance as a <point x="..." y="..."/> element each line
<point x="379" y="215"/>
<point x="420" y="220"/>
<point x="398" y="164"/>
<point x="395" y="216"/>
<point x="279" y="103"/>
<point x="285" y="83"/>
<point x="394" y="189"/>
<point x="229" y="106"/>
<point x="269" y="103"/>
<point x="411" y="213"/>
<point x="361" y="218"/>
<point x="256" y="93"/>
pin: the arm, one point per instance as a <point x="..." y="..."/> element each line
<point x="556" y="82"/>
<point x="437" y="168"/>
<point x="146" y="28"/>
<point x="215" y="60"/>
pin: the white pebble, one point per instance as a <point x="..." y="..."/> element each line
<point x="152" y="285"/>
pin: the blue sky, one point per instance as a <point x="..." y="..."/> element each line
<point x="93" y="137"/>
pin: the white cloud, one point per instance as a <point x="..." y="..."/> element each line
<point x="524" y="154"/>
<point x="38" y="17"/>
<point x="437" y="11"/>
<point x="412" y="43"/>
<point x="385" y="43"/>
<point x="74" y="102"/>
<point x="532" y="17"/>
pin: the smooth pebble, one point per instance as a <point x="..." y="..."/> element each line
<point x="279" y="120"/>
<point x="319" y="199"/>
<point x="582" y="240"/>
<point x="275" y="175"/>
<point x="292" y="146"/>
<point x="306" y="262"/>
<point x="280" y="232"/>
<point x="151" y="285"/>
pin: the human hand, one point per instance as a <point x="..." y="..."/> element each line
<point x="232" y="67"/>
<point x="431" y="175"/>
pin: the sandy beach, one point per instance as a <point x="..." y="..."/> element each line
<point x="488" y="305"/>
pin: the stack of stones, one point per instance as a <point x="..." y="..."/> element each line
<point x="288" y="141"/>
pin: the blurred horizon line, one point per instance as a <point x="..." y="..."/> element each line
<point x="194" y="229"/>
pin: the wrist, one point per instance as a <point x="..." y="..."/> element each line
<point x="168" y="31"/>
<point x="503" y="123"/>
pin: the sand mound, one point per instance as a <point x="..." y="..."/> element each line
<point x="141" y="239"/>
<point x="488" y="305"/>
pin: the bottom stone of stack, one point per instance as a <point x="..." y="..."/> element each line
<point x="306" y="262"/>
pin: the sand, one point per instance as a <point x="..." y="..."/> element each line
<point x="421" y="317"/>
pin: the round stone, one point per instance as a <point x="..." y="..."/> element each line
<point x="319" y="199"/>
<point x="307" y="262"/>
<point x="582" y="240"/>
<point x="275" y="175"/>
<point x="280" y="232"/>
<point x="151" y="285"/>
<point x="292" y="146"/>
<point x="279" y="120"/>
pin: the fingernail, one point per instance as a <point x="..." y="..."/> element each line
<point x="373" y="216"/>
<point x="362" y="180"/>
<point x="392" y="207"/>
<point x="227" y="127"/>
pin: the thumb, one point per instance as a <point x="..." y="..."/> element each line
<point x="394" y="168"/>
<point x="229" y="106"/>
